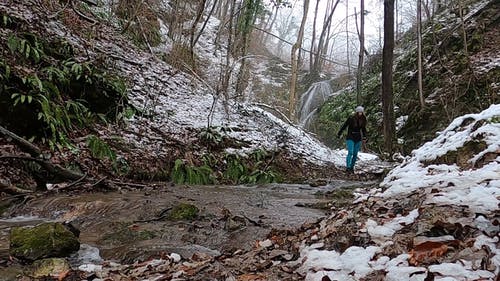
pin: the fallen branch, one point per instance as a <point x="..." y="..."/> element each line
<point x="26" y="145"/>
<point x="12" y="189"/>
<point x="35" y="152"/>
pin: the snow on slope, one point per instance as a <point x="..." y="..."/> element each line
<point x="469" y="192"/>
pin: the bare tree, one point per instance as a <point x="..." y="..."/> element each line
<point x="318" y="58"/>
<point x="387" y="62"/>
<point x="359" y="75"/>
<point x="199" y="13"/>
<point x="347" y="35"/>
<point x="313" y="38"/>
<point x="294" y="62"/>
<point x="419" y="56"/>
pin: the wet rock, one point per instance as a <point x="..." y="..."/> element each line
<point x="234" y="223"/>
<point x="184" y="211"/>
<point x="53" y="267"/>
<point x="33" y="243"/>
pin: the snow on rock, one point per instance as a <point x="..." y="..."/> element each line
<point x="477" y="187"/>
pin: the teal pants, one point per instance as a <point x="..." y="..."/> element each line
<point x="352" y="153"/>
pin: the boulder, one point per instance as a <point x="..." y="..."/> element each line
<point x="46" y="240"/>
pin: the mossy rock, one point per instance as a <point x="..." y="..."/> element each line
<point x="52" y="267"/>
<point x="184" y="211"/>
<point x="47" y="240"/>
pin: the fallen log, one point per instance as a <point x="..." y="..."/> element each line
<point x="36" y="156"/>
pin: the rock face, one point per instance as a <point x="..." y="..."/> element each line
<point x="46" y="240"/>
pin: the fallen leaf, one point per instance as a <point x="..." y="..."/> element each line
<point x="427" y="252"/>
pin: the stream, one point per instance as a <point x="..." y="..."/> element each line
<point x="126" y="226"/>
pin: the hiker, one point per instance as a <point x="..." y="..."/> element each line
<point x="356" y="133"/>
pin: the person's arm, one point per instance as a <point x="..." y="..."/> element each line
<point x="343" y="127"/>
<point x="363" y="129"/>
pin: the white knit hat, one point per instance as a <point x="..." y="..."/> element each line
<point x="360" y="109"/>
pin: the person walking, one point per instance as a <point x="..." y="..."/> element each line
<point x="356" y="134"/>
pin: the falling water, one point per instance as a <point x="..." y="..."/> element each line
<point x="312" y="100"/>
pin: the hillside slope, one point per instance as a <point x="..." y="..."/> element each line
<point x="458" y="79"/>
<point x="59" y="88"/>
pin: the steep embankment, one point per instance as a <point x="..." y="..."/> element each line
<point x="78" y="72"/>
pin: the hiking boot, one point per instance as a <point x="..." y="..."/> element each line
<point x="349" y="170"/>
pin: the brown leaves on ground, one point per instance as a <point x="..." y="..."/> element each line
<point x="251" y="277"/>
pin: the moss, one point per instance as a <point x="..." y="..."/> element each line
<point x="42" y="241"/>
<point x="49" y="267"/>
<point x="184" y="211"/>
<point x="462" y="155"/>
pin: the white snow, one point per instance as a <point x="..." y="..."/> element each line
<point x="388" y="229"/>
<point x="475" y="187"/>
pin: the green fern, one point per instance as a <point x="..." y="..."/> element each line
<point x="178" y="172"/>
<point x="24" y="48"/>
<point x="236" y="170"/>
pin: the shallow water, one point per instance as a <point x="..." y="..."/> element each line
<point x="125" y="225"/>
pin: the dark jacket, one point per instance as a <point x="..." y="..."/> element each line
<point x="356" y="128"/>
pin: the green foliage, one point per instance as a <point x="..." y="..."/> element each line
<point x="254" y="169"/>
<point x="100" y="149"/>
<point x="199" y="175"/>
<point x="211" y="135"/>
<point x="235" y="169"/>
<point x="332" y="116"/>
<point x="261" y="177"/>
<point x="178" y="172"/>
<point x="251" y="9"/>
<point x="24" y="48"/>
<point x="57" y="94"/>
<point x="190" y="174"/>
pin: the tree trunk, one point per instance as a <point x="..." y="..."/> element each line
<point x="387" y="62"/>
<point x="347" y="36"/>
<point x="419" y="56"/>
<point x="313" y="39"/>
<point x="205" y="23"/>
<point x="361" y="52"/>
<point x="224" y="19"/>
<point x="294" y="62"/>
<point x="192" y="32"/>
<point x="318" y="58"/>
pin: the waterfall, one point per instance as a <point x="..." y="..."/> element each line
<point x="311" y="101"/>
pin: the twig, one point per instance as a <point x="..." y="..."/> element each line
<point x="98" y="182"/>
<point x="93" y="21"/>
<point x="77" y="181"/>
<point x="128" y="184"/>
<point x="13" y="189"/>
<point x="114" y="56"/>
<point x="60" y="11"/>
<point x="279" y="112"/>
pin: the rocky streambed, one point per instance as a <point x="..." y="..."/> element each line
<point x="133" y="225"/>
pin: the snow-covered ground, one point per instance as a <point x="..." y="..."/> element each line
<point x="473" y="187"/>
